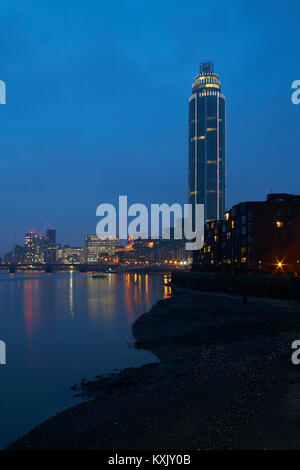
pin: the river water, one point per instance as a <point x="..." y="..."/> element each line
<point x="60" y="328"/>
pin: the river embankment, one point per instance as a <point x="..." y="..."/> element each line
<point x="224" y="379"/>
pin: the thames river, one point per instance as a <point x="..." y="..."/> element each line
<point x="60" y="328"/>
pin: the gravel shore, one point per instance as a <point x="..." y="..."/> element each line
<point x="224" y="380"/>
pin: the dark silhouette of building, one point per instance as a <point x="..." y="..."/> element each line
<point x="50" y="252"/>
<point x="17" y="255"/>
<point x="51" y="235"/>
<point x="207" y="143"/>
<point x="50" y="246"/>
<point x="255" y="236"/>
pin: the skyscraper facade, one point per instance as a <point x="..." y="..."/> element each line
<point x="50" y="246"/>
<point x="51" y="235"/>
<point x="207" y="143"/>
<point x="34" y="245"/>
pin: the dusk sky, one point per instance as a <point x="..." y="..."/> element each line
<point x="97" y="104"/>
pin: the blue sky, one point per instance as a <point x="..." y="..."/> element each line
<point x="97" y="101"/>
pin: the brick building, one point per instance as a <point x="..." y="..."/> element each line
<point x="255" y="236"/>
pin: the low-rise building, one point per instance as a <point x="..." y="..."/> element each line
<point x="100" y="248"/>
<point x="71" y="255"/>
<point x="256" y="236"/>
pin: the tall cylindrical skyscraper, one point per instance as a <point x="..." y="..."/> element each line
<point x="207" y="143"/>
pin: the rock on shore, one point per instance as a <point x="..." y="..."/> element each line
<point x="224" y="380"/>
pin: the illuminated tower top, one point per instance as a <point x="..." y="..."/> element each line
<point x="206" y="79"/>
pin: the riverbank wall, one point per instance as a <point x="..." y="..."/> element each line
<point x="279" y="287"/>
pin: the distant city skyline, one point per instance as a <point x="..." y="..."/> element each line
<point x="96" y="105"/>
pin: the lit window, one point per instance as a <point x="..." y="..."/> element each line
<point x="201" y="137"/>
<point x="211" y="85"/>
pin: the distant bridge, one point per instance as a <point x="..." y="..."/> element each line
<point x="51" y="267"/>
<point x="83" y="268"/>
